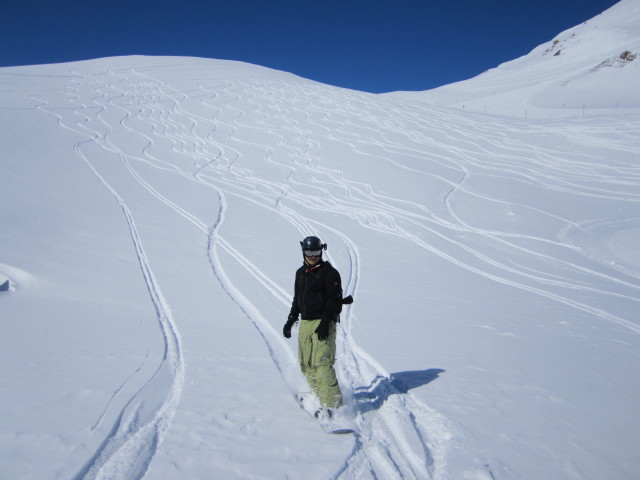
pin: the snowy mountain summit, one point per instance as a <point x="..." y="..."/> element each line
<point x="595" y="65"/>
<point x="152" y="209"/>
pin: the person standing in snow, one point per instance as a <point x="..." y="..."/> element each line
<point x="318" y="300"/>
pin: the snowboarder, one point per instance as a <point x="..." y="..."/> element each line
<point x="318" y="299"/>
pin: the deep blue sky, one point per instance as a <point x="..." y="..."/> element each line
<point x="369" y="45"/>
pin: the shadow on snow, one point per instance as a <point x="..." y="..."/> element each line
<point x="373" y="396"/>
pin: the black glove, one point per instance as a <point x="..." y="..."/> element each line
<point x="323" y="329"/>
<point x="291" y="321"/>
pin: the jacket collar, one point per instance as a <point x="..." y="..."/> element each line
<point x="308" y="268"/>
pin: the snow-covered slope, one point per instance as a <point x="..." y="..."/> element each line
<point x="593" y="66"/>
<point x="151" y="213"/>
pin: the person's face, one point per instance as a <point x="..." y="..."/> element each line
<point x="312" y="256"/>
<point x="312" y="260"/>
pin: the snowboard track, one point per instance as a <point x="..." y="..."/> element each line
<point x="401" y="437"/>
<point x="129" y="447"/>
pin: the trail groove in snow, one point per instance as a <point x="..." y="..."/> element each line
<point x="265" y="143"/>
<point x="382" y="446"/>
<point x="129" y="448"/>
<point x="400" y="460"/>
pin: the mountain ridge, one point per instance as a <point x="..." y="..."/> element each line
<point x="558" y="77"/>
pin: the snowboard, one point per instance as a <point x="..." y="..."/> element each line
<point x="328" y="423"/>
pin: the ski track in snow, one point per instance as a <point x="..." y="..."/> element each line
<point x="130" y="446"/>
<point x="198" y="132"/>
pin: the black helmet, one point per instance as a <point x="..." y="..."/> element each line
<point x="312" y="246"/>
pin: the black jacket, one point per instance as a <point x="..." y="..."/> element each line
<point x="317" y="292"/>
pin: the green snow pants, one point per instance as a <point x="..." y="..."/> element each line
<point x="316" y="362"/>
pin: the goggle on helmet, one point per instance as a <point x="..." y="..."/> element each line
<point x="312" y="247"/>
